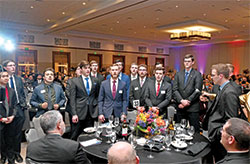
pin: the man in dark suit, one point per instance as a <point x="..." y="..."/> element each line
<point x="48" y="95"/>
<point x="158" y="93"/>
<point x="138" y="87"/>
<point x="235" y="137"/>
<point x="52" y="148"/>
<point x="94" y="71"/>
<point x="231" y="73"/>
<point x="133" y="72"/>
<point x="112" y="98"/>
<point x="225" y="106"/>
<point x="83" y="100"/>
<point x="16" y="83"/>
<point x="187" y="87"/>
<point x="7" y="114"/>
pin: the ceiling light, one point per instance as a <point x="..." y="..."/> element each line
<point x="176" y="6"/>
<point x="1" y="40"/>
<point x="243" y="25"/>
<point x="226" y="20"/>
<point x="204" y="14"/>
<point x="117" y="22"/>
<point x="84" y="3"/>
<point x="63" y="13"/>
<point x="190" y="36"/>
<point x="48" y="20"/>
<point x="144" y="26"/>
<point x="32" y="7"/>
<point x="9" y="46"/>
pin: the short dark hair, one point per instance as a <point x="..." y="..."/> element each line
<point x="83" y="63"/>
<point x="49" y="69"/>
<point x="187" y="56"/>
<point x="160" y="69"/>
<point x="49" y="120"/>
<point x="118" y="61"/>
<point x="6" y="62"/>
<point x="221" y="69"/>
<point x="240" y="129"/>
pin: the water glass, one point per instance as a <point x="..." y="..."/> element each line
<point x="98" y="131"/>
<point x="111" y="119"/>
<point x="109" y="132"/>
<point x="183" y="123"/>
<point x="132" y="140"/>
<point x="113" y="137"/>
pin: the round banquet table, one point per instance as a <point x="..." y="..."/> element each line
<point x="99" y="151"/>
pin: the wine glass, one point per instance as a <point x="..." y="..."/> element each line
<point x="109" y="132"/>
<point x="113" y="137"/>
<point x="183" y="123"/>
<point x="191" y="132"/>
<point x="150" y="143"/>
<point x="95" y="125"/>
<point x="132" y="140"/>
<point x="131" y="125"/>
<point x="116" y="123"/>
<point x="98" y="131"/>
<point x="111" y="119"/>
<point x="166" y="123"/>
<point x="168" y="140"/>
<point x="178" y="139"/>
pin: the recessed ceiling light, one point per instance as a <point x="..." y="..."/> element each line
<point x="226" y="20"/>
<point x="26" y="31"/>
<point x="157" y="18"/>
<point x="48" y="20"/>
<point x="117" y="22"/>
<point x="144" y="26"/>
<point x="32" y="7"/>
<point x="63" y="13"/>
<point x="204" y="14"/>
<point x="135" y="32"/>
<point x="84" y="3"/>
<point x="243" y="25"/>
<point x="238" y="0"/>
<point x="176" y="6"/>
<point x="111" y="28"/>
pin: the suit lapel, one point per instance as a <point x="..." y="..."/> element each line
<point x="92" y="86"/>
<point x="118" y="88"/>
<point x="109" y="88"/>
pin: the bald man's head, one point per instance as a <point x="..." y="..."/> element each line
<point x="122" y="153"/>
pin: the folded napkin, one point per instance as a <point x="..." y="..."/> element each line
<point x="157" y="147"/>
<point x="90" y="142"/>
<point x="195" y="148"/>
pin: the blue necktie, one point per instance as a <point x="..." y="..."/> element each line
<point x="11" y="82"/>
<point x="186" y="78"/>
<point x="87" y="84"/>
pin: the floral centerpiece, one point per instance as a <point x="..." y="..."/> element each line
<point x="150" y="122"/>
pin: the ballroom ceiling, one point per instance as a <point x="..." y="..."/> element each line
<point x="126" y="19"/>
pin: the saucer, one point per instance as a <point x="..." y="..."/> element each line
<point x="186" y="137"/>
<point x="180" y="145"/>
<point x="89" y="130"/>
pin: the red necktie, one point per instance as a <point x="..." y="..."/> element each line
<point x="114" y="89"/>
<point x="158" y="89"/>
<point x="7" y="93"/>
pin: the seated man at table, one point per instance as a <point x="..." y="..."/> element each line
<point x="122" y="153"/>
<point x="53" y="148"/>
<point x="235" y="137"/>
<point x="112" y="98"/>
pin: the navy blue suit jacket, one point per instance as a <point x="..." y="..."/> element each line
<point x="37" y="97"/>
<point x="107" y="104"/>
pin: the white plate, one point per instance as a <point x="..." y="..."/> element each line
<point x="186" y="137"/>
<point x="180" y="145"/>
<point x="89" y="130"/>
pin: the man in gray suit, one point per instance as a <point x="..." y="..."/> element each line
<point x="159" y="92"/>
<point x="225" y="106"/>
<point x="16" y="83"/>
<point x="187" y="87"/>
<point x="52" y="148"/>
<point x="83" y="96"/>
<point x="112" y="98"/>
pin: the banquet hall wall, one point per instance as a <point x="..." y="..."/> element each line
<point x="236" y="52"/>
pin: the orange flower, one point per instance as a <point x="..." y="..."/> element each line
<point x="137" y="119"/>
<point x="147" y="115"/>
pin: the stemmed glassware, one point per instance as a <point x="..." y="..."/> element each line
<point x="178" y="139"/>
<point x="183" y="123"/>
<point x="109" y="132"/>
<point x="168" y="140"/>
<point x="191" y="132"/>
<point x="111" y="119"/>
<point x="132" y="140"/>
<point x="116" y="123"/>
<point x="113" y="137"/>
<point x="150" y="143"/>
<point x="98" y="131"/>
